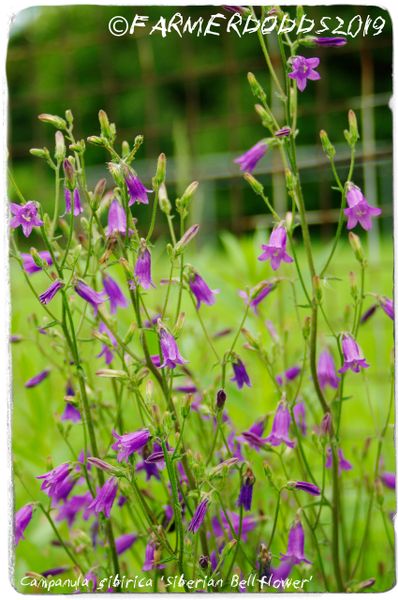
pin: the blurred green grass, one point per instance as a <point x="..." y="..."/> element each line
<point x="230" y="268"/>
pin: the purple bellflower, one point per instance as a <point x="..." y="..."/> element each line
<point x="22" y="519"/>
<point x="253" y="435"/>
<point x="56" y="483"/>
<point x="257" y="294"/>
<point x="241" y="376"/>
<point x="344" y="464"/>
<point x="89" y="295"/>
<point x="327" y="371"/>
<point x="170" y="352"/>
<point x="359" y="210"/>
<point x="128" y="443"/>
<point x="246" y="490"/>
<point x="388" y="306"/>
<point x="198" y="516"/>
<point x="117" y="221"/>
<point x="299" y="417"/>
<point x="353" y="357"/>
<point x="280" y="427"/>
<point x="295" y="545"/>
<point x="288" y="375"/>
<point x="124" y="542"/>
<point x="26" y="216"/>
<point x="37" y="378"/>
<point x="219" y="528"/>
<point x="305" y="486"/>
<point x="275" y="250"/>
<point x="142" y="269"/>
<point x="303" y="69"/>
<point x="201" y="290"/>
<point x="388" y="479"/>
<point x="330" y="42"/>
<point x="105" y="498"/>
<point x="136" y="189"/>
<point x="69" y="510"/>
<point x="29" y="264"/>
<point x="77" y="207"/>
<point x="116" y="296"/>
<point x="49" y="294"/>
<point x="106" y="351"/>
<point x="152" y="557"/>
<point x="249" y="159"/>
<point x="71" y="413"/>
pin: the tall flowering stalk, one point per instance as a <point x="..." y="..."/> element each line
<point x="165" y="473"/>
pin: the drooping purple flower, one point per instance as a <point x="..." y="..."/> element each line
<point x="106" y="351"/>
<point x="299" y="417"/>
<point x="275" y="250"/>
<point x="170" y="352"/>
<point x="89" y="295"/>
<point x="359" y="210"/>
<point x="150" y="468"/>
<point x="142" y="269"/>
<point x="388" y="306"/>
<point x="303" y="69"/>
<point x="105" y="498"/>
<point x="246" y="490"/>
<point x="282" y="571"/>
<point x="77" y="207"/>
<point x="295" y="545"/>
<point x="124" y="542"/>
<point x="117" y="221"/>
<point x="37" y="378"/>
<point x="280" y="428"/>
<point x="198" y="516"/>
<point x="253" y="435"/>
<point x="310" y="488"/>
<point x="330" y="42"/>
<point x="257" y="294"/>
<point x="368" y="313"/>
<point x="22" y="519"/>
<point x="29" y="264"/>
<point x="288" y="375"/>
<point x="152" y="557"/>
<point x="241" y="376"/>
<point x="249" y="159"/>
<point x="26" y="216"/>
<point x="116" y="296"/>
<point x="128" y="443"/>
<point x="326" y="371"/>
<point x="69" y="510"/>
<point x="49" y="294"/>
<point x="54" y="571"/>
<point x="57" y="483"/>
<point x="71" y="413"/>
<point x="201" y="290"/>
<point x="344" y="464"/>
<point x="326" y="424"/>
<point x="136" y="189"/>
<point x="353" y="357"/>
<point x="388" y="479"/>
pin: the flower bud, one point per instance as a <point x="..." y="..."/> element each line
<point x="316" y="284"/>
<point x="256" y="88"/>
<point x="60" y="150"/>
<point x="352" y="135"/>
<point x="264" y="115"/>
<point x="327" y="146"/>
<point x="290" y="181"/>
<point x="204" y="562"/>
<point x="326" y="424"/>
<point x="307" y="328"/>
<point x="104" y="124"/>
<point x="69" y="173"/>
<point x="96" y="140"/>
<point x="101" y="464"/>
<point x="40" y="152"/>
<point x="54" y="120"/>
<point x="186" y="198"/>
<point x="254" y="184"/>
<point x="164" y="202"/>
<point x="99" y="191"/>
<point x="125" y="149"/>
<point x="160" y="171"/>
<point x="186" y="238"/>
<point x="356" y="245"/>
<point x="220" y="399"/>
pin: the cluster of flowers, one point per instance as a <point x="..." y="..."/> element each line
<point x="108" y="477"/>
